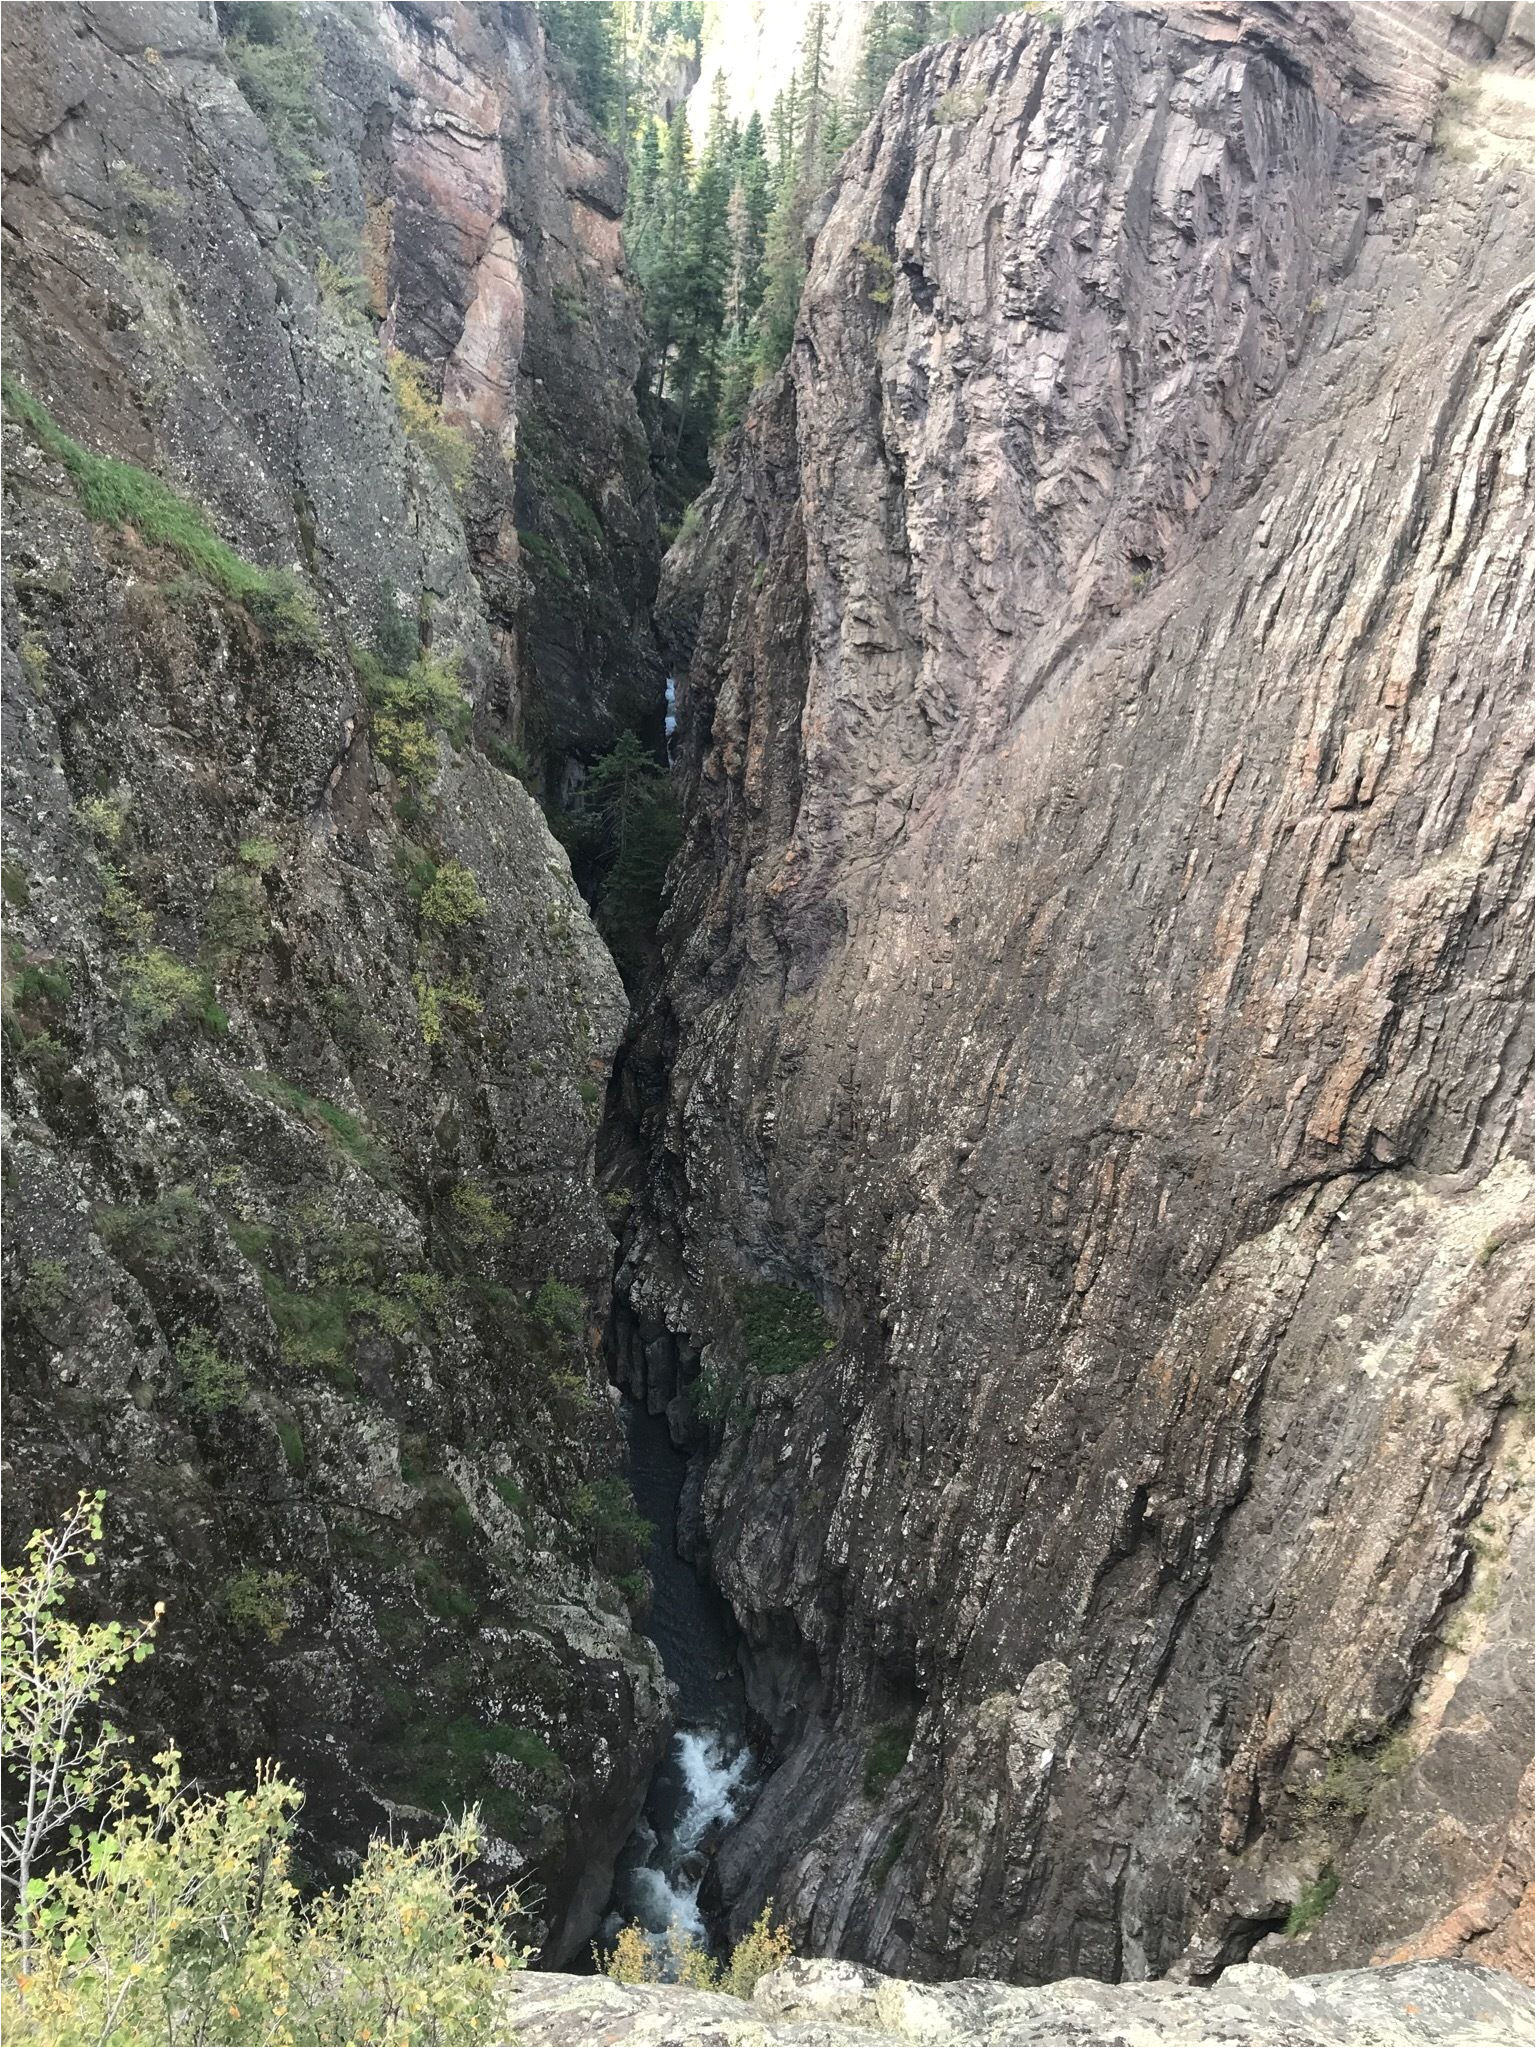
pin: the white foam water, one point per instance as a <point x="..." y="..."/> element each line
<point x="715" y="1781"/>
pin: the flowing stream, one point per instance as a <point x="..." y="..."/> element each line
<point x="708" y="1778"/>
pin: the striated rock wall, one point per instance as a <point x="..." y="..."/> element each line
<point x="304" y="1262"/>
<point x="1097" y="974"/>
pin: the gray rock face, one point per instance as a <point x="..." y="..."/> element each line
<point x="1096" y="975"/>
<point x="836" y="2003"/>
<point x="304" y="1260"/>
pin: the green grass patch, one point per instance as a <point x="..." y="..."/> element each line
<point x="340" y="1124"/>
<point x="114" y="493"/>
<point x="1313" y="1902"/>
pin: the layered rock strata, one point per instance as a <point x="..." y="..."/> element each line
<point x="1097" y="978"/>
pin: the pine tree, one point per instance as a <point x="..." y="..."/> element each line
<point x="667" y="285"/>
<point x="585" y="35"/>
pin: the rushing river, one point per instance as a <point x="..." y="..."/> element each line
<point x="708" y="1779"/>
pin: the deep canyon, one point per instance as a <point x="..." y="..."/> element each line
<point x="1045" y="1232"/>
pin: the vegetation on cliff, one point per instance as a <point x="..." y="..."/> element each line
<point x="140" y="1908"/>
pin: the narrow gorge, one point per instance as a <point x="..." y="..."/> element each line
<point x="961" y="1374"/>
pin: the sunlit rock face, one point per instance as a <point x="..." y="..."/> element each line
<point x="1096" y="973"/>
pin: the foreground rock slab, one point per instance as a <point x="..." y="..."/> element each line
<point x="842" y="2002"/>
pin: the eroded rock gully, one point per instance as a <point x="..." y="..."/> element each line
<point x="1096" y="971"/>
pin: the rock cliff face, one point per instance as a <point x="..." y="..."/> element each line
<point x="1096" y="975"/>
<point x="306" y="1024"/>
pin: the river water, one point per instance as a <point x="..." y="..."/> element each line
<point x="709" y="1777"/>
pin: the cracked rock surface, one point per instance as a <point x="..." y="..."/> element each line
<point x="1097" y="974"/>
<point x="835" y="2005"/>
<point x="304" y="1260"/>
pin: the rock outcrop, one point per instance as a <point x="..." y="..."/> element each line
<point x="1097" y="977"/>
<point x="837" y="2005"/>
<point x="307" y="1026"/>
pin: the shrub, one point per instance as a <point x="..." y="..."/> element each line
<point x="163" y="1229"/>
<point x="885" y="1756"/>
<point x="881" y="268"/>
<point x="957" y="106"/>
<point x="448" y="449"/>
<point x="261" y="854"/>
<point x="452" y="898"/>
<point x="102" y="817"/>
<point x="638" y="1958"/>
<point x="53" y="1673"/>
<point x="890" y="1854"/>
<point x="125" y="917"/>
<point x="176" y="1917"/>
<point x="116" y="493"/>
<point x="782" y="1328"/>
<point x="1313" y="1902"/>
<point x="255" y="1603"/>
<point x="479" y="1220"/>
<point x="160" y="990"/>
<point x="276" y="63"/>
<point x="761" y="1949"/>
<point x="1352" y="1776"/>
<point x="15" y="884"/>
<point x="237" y="914"/>
<point x="408" y="709"/>
<point x="209" y="1381"/>
<point x="434" y="998"/>
<point x="559" y="1308"/>
<point x="511" y="760"/>
<point x="45" y="1289"/>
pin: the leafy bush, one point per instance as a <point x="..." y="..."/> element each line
<point x="119" y="494"/>
<point x="885" y="1756"/>
<point x="559" y="1307"/>
<point x="677" y="1958"/>
<point x="45" y="1290"/>
<point x="276" y="63"/>
<point x="255" y="1603"/>
<point x="103" y="817"/>
<point x="782" y="1328"/>
<point x="881" y="267"/>
<point x="160" y="990"/>
<point x="176" y="1918"/>
<point x="261" y="854"/>
<point x="1313" y="1902"/>
<point x="210" y="1382"/>
<point x="452" y="898"/>
<point x="479" y="1220"/>
<point x="237" y="914"/>
<point x="449" y="449"/>
<point x="435" y="998"/>
<point x="408" y="709"/>
<point x="957" y="106"/>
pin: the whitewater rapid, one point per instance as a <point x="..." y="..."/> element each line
<point x="715" y="1781"/>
